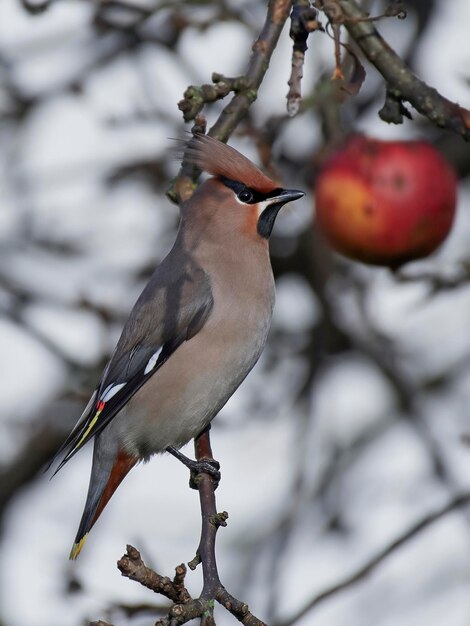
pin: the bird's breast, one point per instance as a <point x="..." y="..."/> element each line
<point x="197" y="380"/>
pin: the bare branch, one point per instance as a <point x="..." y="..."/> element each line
<point x="206" y="486"/>
<point x="235" y="111"/>
<point x="303" y="22"/>
<point x="131" y="566"/>
<point x="402" y="83"/>
<point x="211" y="522"/>
<point x="184" y="607"/>
<point x="237" y="108"/>
<point x="457" y="502"/>
<point x="438" y="283"/>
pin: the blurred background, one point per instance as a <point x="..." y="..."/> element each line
<point x="353" y="426"/>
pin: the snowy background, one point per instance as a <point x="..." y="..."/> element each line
<point x="354" y="424"/>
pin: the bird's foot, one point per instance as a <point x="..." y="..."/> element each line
<point x="203" y="466"/>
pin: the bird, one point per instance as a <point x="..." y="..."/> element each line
<point x="195" y="332"/>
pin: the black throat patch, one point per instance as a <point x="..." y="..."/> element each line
<point x="267" y="218"/>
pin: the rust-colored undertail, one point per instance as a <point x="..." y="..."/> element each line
<point x="95" y="505"/>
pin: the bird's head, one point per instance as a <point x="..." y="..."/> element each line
<point x="239" y="191"/>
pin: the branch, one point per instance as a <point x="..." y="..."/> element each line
<point x="246" y="92"/>
<point x="194" y="98"/>
<point x="457" y="502"/>
<point x="438" y="283"/>
<point x="303" y="22"/>
<point x="402" y="83"/>
<point x="184" y="607"/>
<point x="235" y="111"/>
<point x="211" y="522"/>
<point x="131" y="566"/>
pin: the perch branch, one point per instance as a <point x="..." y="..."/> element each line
<point x="211" y="520"/>
<point x="184" y="607"/>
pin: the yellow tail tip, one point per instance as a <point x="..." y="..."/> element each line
<point x="77" y="547"/>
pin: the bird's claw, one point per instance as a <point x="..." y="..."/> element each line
<point x="204" y="466"/>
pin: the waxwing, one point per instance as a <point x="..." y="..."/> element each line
<point x="195" y="332"/>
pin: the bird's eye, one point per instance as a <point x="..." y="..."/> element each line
<point x="245" y="195"/>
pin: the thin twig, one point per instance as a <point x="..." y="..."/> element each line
<point x="235" y="111"/>
<point x="457" y="502"/>
<point x="438" y="283"/>
<point x="303" y="22"/>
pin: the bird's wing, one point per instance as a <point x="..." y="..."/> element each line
<point x="173" y="308"/>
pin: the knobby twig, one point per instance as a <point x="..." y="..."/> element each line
<point x="194" y="98"/>
<point x="235" y="111"/>
<point x="131" y="566"/>
<point x="184" y="607"/>
<point x="246" y="93"/>
<point x="303" y="22"/>
<point x="402" y="84"/>
<point x="457" y="502"/>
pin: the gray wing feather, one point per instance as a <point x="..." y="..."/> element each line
<point x="172" y="308"/>
<point x="173" y="303"/>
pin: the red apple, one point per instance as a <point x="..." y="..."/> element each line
<point x="385" y="202"/>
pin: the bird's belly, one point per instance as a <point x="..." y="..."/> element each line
<point x="180" y="400"/>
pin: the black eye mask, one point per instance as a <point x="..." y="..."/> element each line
<point x="247" y="195"/>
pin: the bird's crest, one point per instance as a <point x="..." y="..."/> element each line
<point x="216" y="158"/>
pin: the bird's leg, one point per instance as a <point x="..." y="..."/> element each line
<point x="208" y="466"/>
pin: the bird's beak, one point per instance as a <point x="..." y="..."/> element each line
<point x="270" y="208"/>
<point x="286" y="195"/>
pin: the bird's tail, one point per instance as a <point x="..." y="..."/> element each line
<point x="105" y="479"/>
